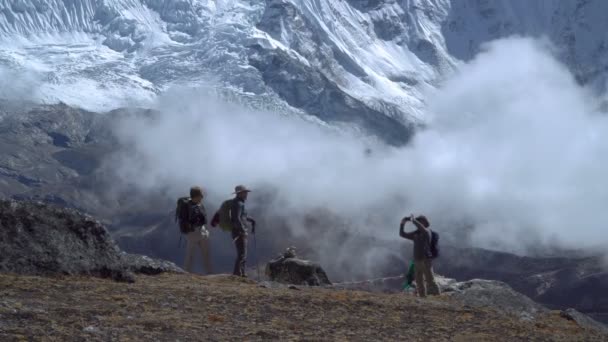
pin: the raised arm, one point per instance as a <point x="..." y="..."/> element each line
<point x="402" y="233"/>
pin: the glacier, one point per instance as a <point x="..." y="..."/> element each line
<point x="369" y="64"/>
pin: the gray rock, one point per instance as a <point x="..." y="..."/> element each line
<point x="291" y="270"/>
<point x="583" y="321"/>
<point x="91" y="329"/>
<point x="496" y="295"/>
<point x="145" y="265"/>
<point x="41" y="239"/>
<point x="567" y="280"/>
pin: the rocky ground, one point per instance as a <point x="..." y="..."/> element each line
<point x="223" y="308"/>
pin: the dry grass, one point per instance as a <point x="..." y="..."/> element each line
<point x="223" y="308"/>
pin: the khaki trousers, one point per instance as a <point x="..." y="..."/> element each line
<point x="198" y="239"/>
<point x="424" y="276"/>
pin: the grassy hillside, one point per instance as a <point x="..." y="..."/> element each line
<point x="222" y="308"/>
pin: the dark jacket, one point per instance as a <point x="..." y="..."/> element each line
<point x="422" y="242"/>
<point x="239" y="216"/>
<point x="198" y="215"/>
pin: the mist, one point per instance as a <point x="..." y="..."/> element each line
<point x="511" y="159"/>
<point x="19" y="85"/>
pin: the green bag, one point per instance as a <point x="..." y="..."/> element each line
<point x="409" y="278"/>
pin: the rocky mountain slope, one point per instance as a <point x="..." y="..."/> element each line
<point x="365" y="64"/>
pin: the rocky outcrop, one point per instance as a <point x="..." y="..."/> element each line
<point x="496" y="295"/>
<point x="567" y="281"/>
<point x="145" y="265"/>
<point x="55" y="154"/>
<point x="478" y="293"/>
<point x="289" y="269"/>
<point x="584" y="321"/>
<point x="474" y="293"/>
<point x="41" y="239"/>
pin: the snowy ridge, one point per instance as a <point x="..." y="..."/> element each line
<point x="364" y="62"/>
<point x="128" y="20"/>
<point x="26" y="17"/>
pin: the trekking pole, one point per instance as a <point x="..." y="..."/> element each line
<point x="179" y="243"/>
<point x="257" y="259"/>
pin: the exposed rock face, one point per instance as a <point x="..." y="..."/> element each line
<point x="36" y="238"/>
<point x="314" y="93"/>
<point x="479" y="293"/>
<point x="55" y="154"/>
<point x="475" y="293"/>
<point x="287" y="268"/>
<point x="146" y="265"/>
<point x="556" y="282"/>
<point x="494" y="294"/>
<point x="584" y="320"/>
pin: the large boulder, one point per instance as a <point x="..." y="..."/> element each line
<point x="289" y="269"/>
<point x="41" y="239"/>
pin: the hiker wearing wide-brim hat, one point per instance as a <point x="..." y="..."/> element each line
<point x="240" y="220"/>
<point x="240" y="189"/>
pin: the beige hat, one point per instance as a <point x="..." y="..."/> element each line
<point x="240" y="188"/>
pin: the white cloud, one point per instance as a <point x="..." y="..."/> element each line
<point x="515" y="149"/>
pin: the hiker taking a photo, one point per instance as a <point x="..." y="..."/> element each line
<point x="192" y="217"/>
<point x="425" y="250"/>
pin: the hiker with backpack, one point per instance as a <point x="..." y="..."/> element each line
<point x="425" y="250"/>
<point x="192" y="217"/>
<point x="233" y="218"/>
<point x="240" y="219"/>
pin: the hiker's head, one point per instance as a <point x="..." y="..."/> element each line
<point x="196" y="194"/>
<point x="421" y="221"/>
<point x="241" y="192"/>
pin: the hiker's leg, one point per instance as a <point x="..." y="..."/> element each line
<point x="241" y="254"/>
<point x="429" y="277"/>
<point x="205" y="253"/>
<point x="419" y="274"/>
<point x="235" y="240"/>
<point x="190" y="246"/>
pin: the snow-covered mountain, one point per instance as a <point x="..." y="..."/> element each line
<point x="367" y="62"/>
